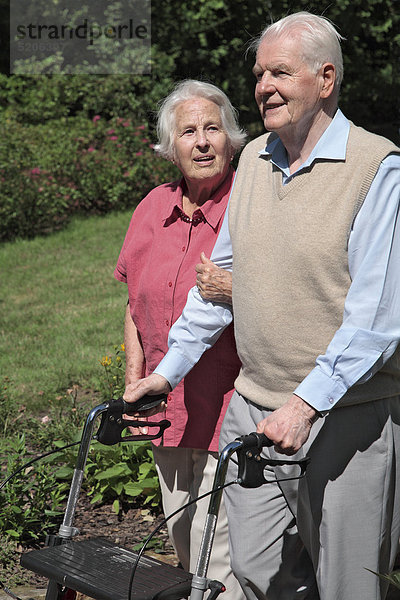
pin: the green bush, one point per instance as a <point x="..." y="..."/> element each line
<point x="116" y="474"/>
<point x="31" y="502"/>
<point x="38" y="99"/>
<point x="73" y="165"/>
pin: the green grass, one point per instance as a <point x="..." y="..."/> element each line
<point x="61" y="309"/>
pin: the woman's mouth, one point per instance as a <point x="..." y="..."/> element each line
<point x="207" y="159"/>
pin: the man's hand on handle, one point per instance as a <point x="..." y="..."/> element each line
<point x="151" y="385"/>
<point x="289" y="426"/>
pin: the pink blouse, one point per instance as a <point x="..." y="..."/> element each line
<point x="157" y="261"/>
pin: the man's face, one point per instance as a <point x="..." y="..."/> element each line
<point x="287" y="92"/>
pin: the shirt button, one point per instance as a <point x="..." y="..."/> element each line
<point x="167" y="322"/>
<point x="183" y="248"/>
<point x="330" y="400"/>
<point x="170" y="284"/>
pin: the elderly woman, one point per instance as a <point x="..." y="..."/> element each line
<point x="175" y="225"/>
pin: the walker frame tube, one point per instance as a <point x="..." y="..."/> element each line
<point x="248" y="448"/>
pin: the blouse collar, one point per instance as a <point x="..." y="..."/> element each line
<point x="211" y="211"/>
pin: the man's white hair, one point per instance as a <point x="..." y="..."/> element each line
<point x="319" y="37"/>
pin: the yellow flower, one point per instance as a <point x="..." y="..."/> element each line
<point x="123" y="347"/>
<point x="106" y="361"/>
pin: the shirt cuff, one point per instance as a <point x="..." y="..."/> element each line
<point x="119" y="275"/>
<point x="174" y="366"/>
<point x="320" y="391"/>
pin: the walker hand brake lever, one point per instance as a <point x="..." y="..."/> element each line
<point x="252" y="464"/>
<point x="112" y="421"/>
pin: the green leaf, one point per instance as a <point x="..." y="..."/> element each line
<point x="118" y="487"/>
<point x="149" y="483"/>
<point x="145" y="468"/>
<point x="64" y="472"/>
<point x="115" y="471"/>
<point x="14" y="534"/>
<point x="96" y="498"/>
<point x="393" y="578"/>
<point x="133" y="489"/>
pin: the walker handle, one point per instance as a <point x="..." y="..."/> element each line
<point x="255" y="440"/>
<point x="113" y="423"/>
<point x="144" y="403"/>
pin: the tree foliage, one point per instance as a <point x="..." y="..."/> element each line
<point x="207" y="39"/>
<point x="202" y="39"/>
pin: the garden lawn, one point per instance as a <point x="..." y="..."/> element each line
<point x="61" y="310"/>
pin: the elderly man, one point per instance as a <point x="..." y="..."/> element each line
<point x="313" y="232"/>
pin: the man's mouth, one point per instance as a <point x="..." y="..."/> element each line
<point x="272" y="106"/>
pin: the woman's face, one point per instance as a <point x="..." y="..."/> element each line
<point x="201" y="147"/>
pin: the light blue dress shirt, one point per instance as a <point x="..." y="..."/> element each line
<point x="370" y="330"/>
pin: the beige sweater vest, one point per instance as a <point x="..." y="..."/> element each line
<point x="290" y="267"/>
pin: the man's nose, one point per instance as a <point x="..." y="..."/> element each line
<point x="266" y="84"/>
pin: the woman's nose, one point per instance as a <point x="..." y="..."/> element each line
<point x="201" y="138"/>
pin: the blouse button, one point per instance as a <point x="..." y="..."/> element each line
<point x="170" y="284"/>
<point x="183" y="248"/>
<point x="167" y="322"/>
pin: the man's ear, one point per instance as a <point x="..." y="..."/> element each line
<point x="328" y="74"/>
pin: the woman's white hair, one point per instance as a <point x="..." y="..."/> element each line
<point x="188" y="90"/>
<point x="320" y="40"/>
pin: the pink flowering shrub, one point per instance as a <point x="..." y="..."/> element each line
<point x="51" y="171"/>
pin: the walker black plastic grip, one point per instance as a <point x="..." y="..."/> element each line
<point x="255" y="440"/>
<point x="144" y="403"/>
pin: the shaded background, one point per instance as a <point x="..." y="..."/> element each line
<point x="207" y="39"/>
<point x="63" y="146"/>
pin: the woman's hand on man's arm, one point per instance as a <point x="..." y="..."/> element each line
<point x="213" y="283"/>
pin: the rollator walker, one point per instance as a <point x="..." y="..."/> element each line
<point x="105" y="571"/>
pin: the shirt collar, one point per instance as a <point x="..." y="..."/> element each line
<point x="330" y="146"/>
<point x="212" y="210"/>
